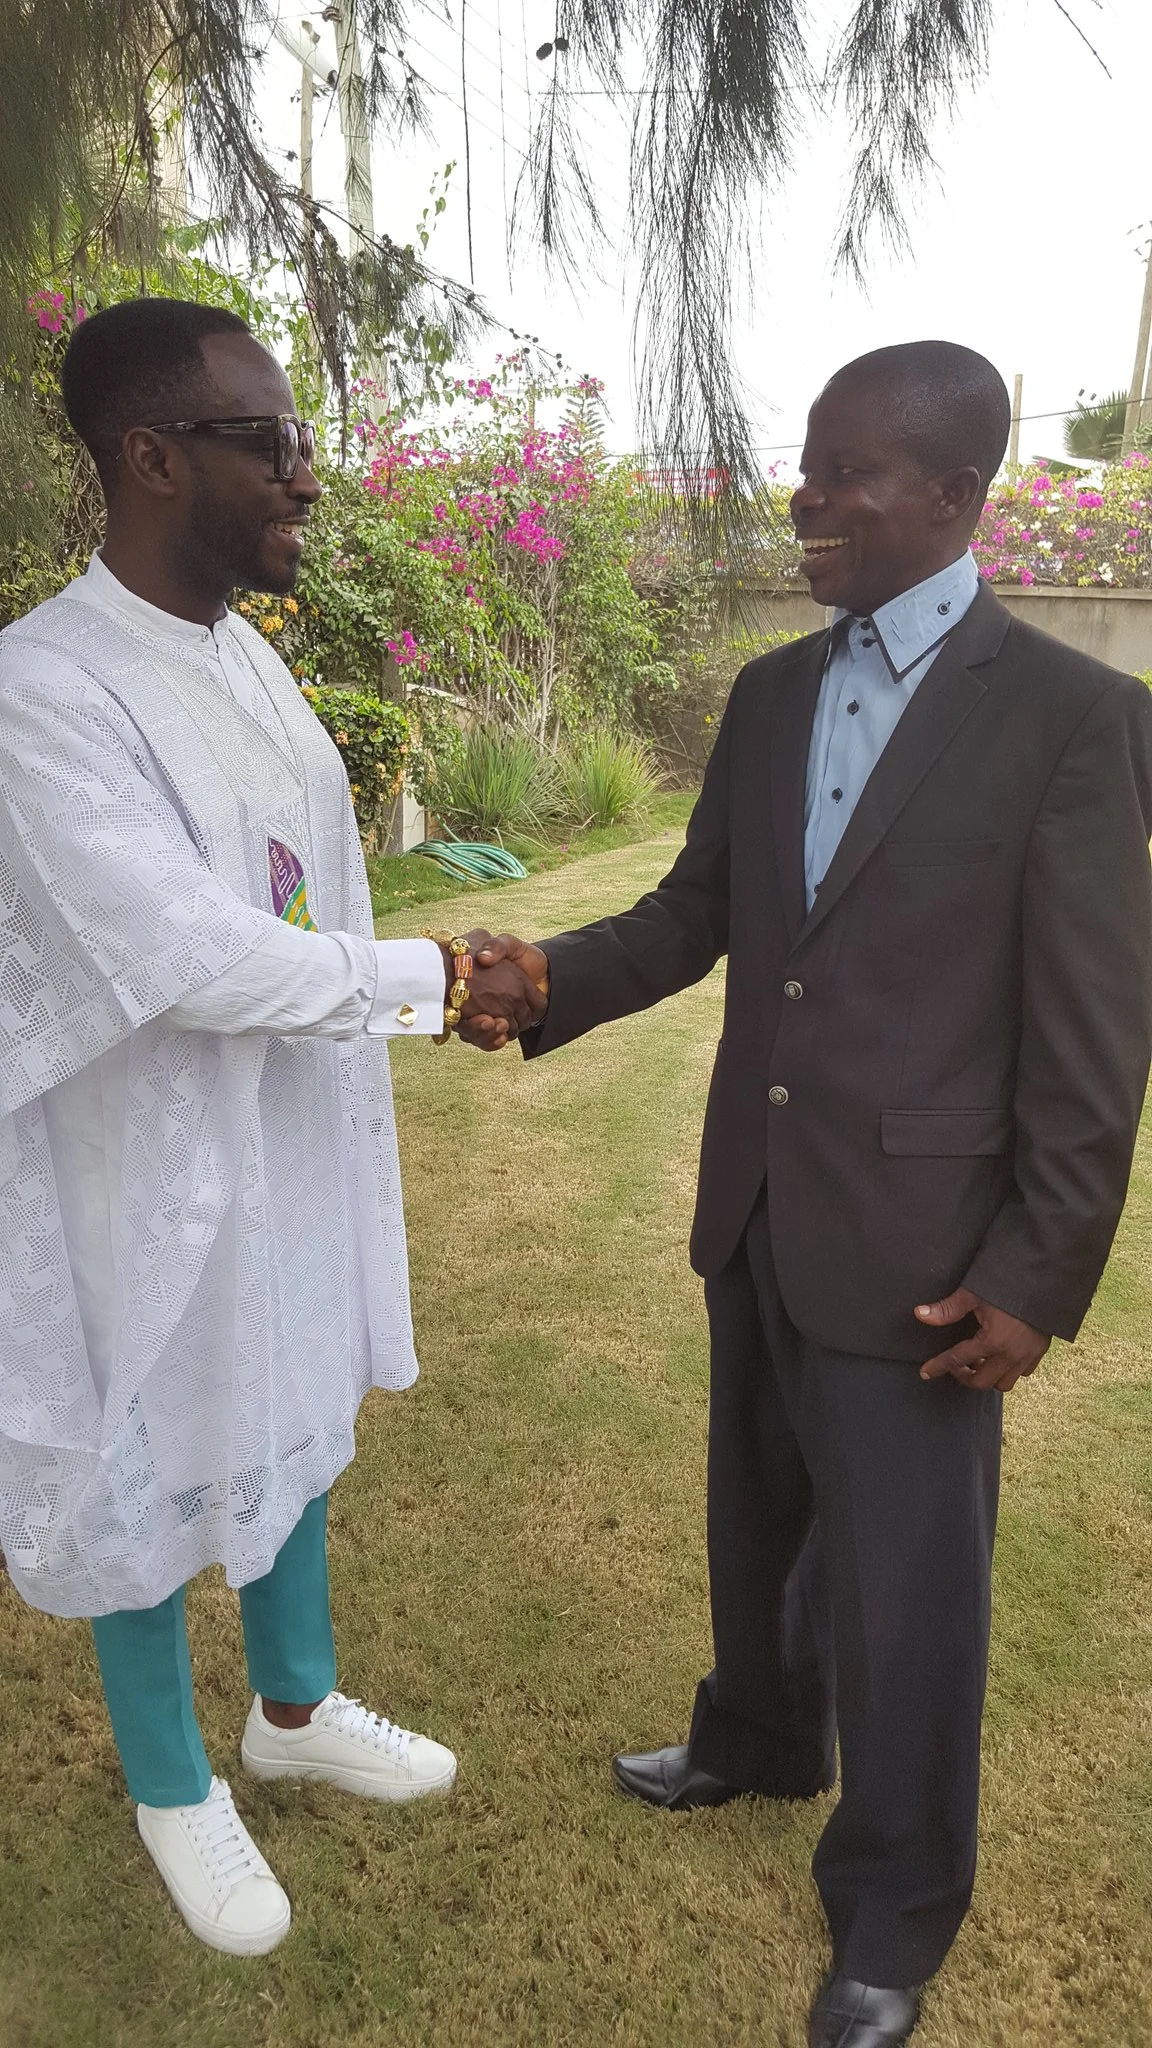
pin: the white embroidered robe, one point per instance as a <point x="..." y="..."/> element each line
<point x="181" y="1364"/>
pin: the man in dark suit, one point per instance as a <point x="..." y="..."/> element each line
<point x="922" y="841"/>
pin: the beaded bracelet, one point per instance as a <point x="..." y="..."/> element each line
<point x="459" y="992"/>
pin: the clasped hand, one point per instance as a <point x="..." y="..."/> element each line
<point x="509" y="992"/>
<point x="1002" y="1352"/>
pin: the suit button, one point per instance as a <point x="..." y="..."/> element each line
<point x="777" y="1097"/>
<point x="793" y="991"/>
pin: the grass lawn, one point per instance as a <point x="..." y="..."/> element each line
<point x="518" y="1567"/>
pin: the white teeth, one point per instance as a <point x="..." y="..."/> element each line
<point x="817" y="547"/>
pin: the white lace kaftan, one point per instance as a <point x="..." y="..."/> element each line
<point x="255" y="1283"/>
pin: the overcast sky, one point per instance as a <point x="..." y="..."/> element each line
<point x="1027" y="244"/>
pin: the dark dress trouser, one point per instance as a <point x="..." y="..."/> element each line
<point x="851" y="1503"/>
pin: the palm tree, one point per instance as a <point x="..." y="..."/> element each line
<point x="716" y="86"/>
<point x="1095" y="431"/>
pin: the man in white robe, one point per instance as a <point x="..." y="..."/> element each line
<point x="202" y="1252"/>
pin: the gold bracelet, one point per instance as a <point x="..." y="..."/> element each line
<point x="460" y="991"/>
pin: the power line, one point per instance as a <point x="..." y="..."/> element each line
<point x="503" y="148"/>
<point x="612" y="220"/>
<point x="788" y="447"/>
<point x="467" y="140"/>
<point x="475" y="91"/>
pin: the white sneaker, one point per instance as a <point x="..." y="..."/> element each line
<point x="345" y="1745"/>
<point x="219" y="1881"/>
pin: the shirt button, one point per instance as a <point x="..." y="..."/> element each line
<point x="853" y="708"/>
<point x="944" y="609"/>
<point x="777" y="1097"/>
<point x="793" y="991"/>
<point x="836" y="795"/>
<point x="867" y="643"/>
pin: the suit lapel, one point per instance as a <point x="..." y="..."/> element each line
<point x="792" y="709"/>
<point x="937" y="710"/>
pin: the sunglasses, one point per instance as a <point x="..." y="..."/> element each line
<point x="289" y="440"/>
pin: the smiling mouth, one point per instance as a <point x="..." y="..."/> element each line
<point x="293" y="527"/>
<point x="812" y="545"/>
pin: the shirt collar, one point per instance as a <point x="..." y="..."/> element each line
<point x="99" y="586"/>
<point x="909" y="625"/>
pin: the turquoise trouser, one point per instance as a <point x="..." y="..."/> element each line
<point x="147" y="1672"/>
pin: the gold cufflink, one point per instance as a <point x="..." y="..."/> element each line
<point x="406" y="1016"/>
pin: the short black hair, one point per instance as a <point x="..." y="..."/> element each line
<point x="951" y="403"/>
<point x="135" y="364"/>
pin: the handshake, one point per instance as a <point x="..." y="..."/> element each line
<point x="508" y="992"/>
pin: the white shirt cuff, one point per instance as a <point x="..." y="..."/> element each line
<point x="409" y="998"/>
<point x="305" y="984"/>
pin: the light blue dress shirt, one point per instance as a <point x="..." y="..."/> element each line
<point x="870" y="678"/>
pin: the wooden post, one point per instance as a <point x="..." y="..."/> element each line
<point x="1132" y="410"/>
<point x="1014" y="434"/>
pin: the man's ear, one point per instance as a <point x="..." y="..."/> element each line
<point x="960" y="493"/>
<point x="147" y="459"/>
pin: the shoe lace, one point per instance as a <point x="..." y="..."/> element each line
<point x="351" y="1718"/>
<point x="227" y="1850"/>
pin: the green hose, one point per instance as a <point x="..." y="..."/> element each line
<point x="469" y="860"/>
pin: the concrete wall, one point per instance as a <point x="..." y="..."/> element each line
<point x="409" y="825"/>
<point x="1112" y="625"/>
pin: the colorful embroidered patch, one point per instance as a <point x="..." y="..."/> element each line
<point x="289" y="894"/>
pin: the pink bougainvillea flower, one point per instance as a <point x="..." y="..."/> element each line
<point x="48" y="310"/>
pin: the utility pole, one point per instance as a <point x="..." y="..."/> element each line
<point x="1133" y="411"/>
<point x="348" y="79"/>
<point x="166" y="114"/>
<point x="1014" y="436"/>
<point x="303" y="44"/>
<point x="307" y="96"/>
<point x="357" y="159"/>
<point x="353" y="122"/>
<point x="173" y="164"/>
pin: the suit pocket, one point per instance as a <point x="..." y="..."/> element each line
<point x="945" y="1133"/>
<point x="939" y="853"/>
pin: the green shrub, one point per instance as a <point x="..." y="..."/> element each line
<point x="683" y="726"/>
<point x="496" y="781"/>
<point x="605" y="777"/>
<point x="375" y="740"/>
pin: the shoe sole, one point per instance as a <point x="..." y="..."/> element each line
<point x="232" y="1945"/>
<point x="366" y="1787"/>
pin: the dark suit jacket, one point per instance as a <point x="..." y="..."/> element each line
<point x="938" y="1071"/>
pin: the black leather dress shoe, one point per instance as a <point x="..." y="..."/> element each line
<point x="664" y="1777"/>
<point x="851" y="2015"/>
